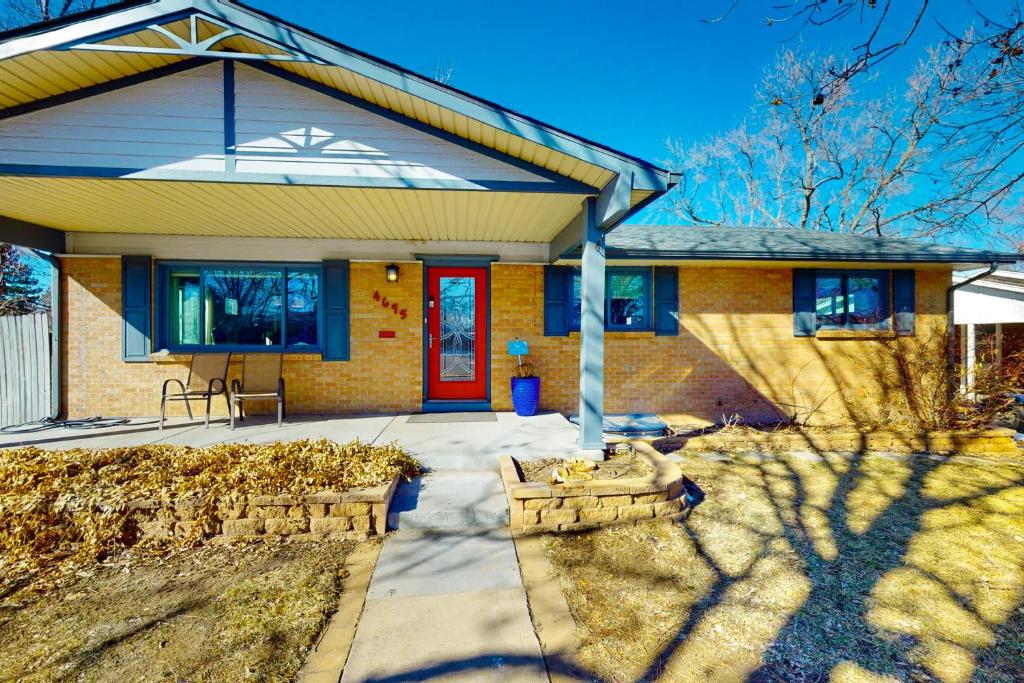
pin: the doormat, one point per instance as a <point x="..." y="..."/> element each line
<point x="454" y="417"/>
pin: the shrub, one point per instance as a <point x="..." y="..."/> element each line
<point x="920" y="393"/>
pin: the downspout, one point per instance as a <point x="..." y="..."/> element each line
<point x="951" y="379"/>
<point x="55" y="339"/>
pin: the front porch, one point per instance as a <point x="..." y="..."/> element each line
<point x="439" y="446"/>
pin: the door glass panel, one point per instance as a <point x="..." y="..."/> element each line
<point x="458" y="329"/>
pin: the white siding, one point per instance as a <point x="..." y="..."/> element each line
<point x="285" y="128"/>
<point x="980" y="305"/>
<point x="172" y="123"/>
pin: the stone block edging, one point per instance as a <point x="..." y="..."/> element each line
<point x="326" y="661"/>
<point x="351" y="514"/>
<point x="552" y="620"/>
<point x="536" y="507"/>
<point x="979" y="442"/>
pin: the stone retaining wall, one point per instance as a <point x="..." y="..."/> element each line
<point x="987" y="441"/>
<point x="354" y="514"/>
<point x="581" y="505"/>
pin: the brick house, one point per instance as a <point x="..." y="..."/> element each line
<point x="210" y="177"/>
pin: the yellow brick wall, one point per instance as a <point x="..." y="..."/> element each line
<point x="735" y="353"/>
<point x="382" y="375"/>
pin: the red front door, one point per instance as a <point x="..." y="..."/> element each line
<point x="457" y="334"/>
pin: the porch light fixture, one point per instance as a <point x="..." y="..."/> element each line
<point x="391" y="272"/>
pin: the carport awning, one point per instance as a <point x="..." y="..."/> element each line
<point x="235" y="209"/>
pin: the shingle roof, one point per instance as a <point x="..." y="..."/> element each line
<point x="684" y="242"/>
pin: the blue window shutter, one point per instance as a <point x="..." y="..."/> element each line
<point x="804" y="313"/>
<point x="336" y="311"/>
<point x="557" y="285"/>
<point x="903" y="301"/>
<point x="666" y="301"/>
<point x="136" y="301"/>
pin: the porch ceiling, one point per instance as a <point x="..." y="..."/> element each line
<point x="235" y="209"/>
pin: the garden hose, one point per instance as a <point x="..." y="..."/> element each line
<point x="95" y="422"/>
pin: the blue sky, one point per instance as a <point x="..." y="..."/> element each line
<point x="627" y="75"/>
<point x="630" y="76"/>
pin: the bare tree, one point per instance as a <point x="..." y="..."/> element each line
<point x="14" y="13"/>
<point x="984" y="120"/>
<point x="940" y="157"/>
<point x="882" y="36"/>
<point x="443" y="72"/>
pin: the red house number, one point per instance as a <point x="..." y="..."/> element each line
<point x="385" y="303"/>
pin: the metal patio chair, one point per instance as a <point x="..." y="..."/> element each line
<point x="261" y="381"/>
<point x="207" y="377"/>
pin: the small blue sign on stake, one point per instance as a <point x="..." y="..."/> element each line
<point x="518" y="347"/>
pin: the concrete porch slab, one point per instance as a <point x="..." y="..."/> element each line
<point x="184" y="432"/>
<point x="432" y="562"/>
<point x="444" y="446"/>
<point x="480" y="445"/>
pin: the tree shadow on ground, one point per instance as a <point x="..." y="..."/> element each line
<point x="907" y="567"/>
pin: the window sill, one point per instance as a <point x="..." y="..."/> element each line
<point x="178" y="356"/>
<point x="855" y="334"/>
<point x="620" y="334"/>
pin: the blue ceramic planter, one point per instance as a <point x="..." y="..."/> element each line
<point x="525" y="395"/>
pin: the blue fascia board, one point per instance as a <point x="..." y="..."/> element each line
<point x="569" y="185"/>
<point x="456" y="260"/>
<point x="75" y="28"/>
<point x="824" y="256"/>
<point x="646" y="175"/>
<point x="567" y="243"/>
<point x="107" y="172"/>
<point x="106" y="87"/>
<point x="70" y="18"/>
<point x="229" y="116"/>
<point x="388" y="73"/>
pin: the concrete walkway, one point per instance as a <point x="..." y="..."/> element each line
<point x="446" y="601"/>
<point x="446" y="606"/>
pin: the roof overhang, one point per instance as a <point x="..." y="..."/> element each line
<point x="55" y="59"/>
<point x="738" y="246"/>
<point x="168" y="207"/>
<point x="822" y="262"/>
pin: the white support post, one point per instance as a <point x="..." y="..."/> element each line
<point x="970" y="359"/>
<point x="592" y="286"/>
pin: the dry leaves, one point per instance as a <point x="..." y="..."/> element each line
<point x="70" y="507"/>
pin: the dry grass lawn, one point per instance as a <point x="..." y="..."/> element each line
<point x="794" y="569"/>
<point x="247" y="613"/>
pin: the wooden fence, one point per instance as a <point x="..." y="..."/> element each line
<point x="24" y="368"/>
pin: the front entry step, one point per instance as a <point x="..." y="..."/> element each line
<point x="450" y="500"/>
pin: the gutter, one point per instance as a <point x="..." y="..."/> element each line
<point x="951" y="379"/>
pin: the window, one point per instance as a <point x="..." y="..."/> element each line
<point x="245" y="307"/>
<point x="857" y="300"/>
<point x="627" y="299"/>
